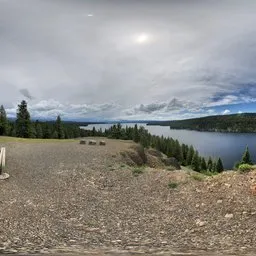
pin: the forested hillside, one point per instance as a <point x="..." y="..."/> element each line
<point x="223" y="123"/>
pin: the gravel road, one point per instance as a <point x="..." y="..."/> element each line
<point x="66" y="197"/>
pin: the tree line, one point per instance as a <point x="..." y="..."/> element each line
<point x="186" y="155"/>
<point x="245" y="122"/>
<point x="24" y="127"/>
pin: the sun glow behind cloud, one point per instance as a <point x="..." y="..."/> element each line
<point x="142" y="38"/>
<point x="137" y="55"/>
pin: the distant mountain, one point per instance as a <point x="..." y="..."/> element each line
<point x="245" y="122"/>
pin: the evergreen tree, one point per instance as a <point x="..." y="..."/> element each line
<point x="118" y="131"/>
<point x="144" y="138"/>
<point x="93" y="131"/>
<point x="23" y="123"/>
<point x="203" y="164"/>
<point x="47" y="132"/>
<point x="210" y="165"/>
<point x="136" y="136"/>
<point x="214" y="165"/>
<point x="195" y="162"/>
<point x="178" y="152"/>
<point x="184" y="150"/>
<point x="39" y="130"/>
<point x="59" y="128"/>
<point x="246" y="159"/>
<point x="219" y="166"/>
<point x="3" y="122"/>
<point x="33" y="131"/>
<point x="55" y="135"/>
<point x="190" y="155"/>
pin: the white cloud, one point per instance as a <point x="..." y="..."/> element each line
<point x="226" y="112"/>
<point x="92" y="67"/>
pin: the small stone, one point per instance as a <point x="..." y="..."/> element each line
<point x="244" y="213"/>
<point x="200" y="223"/>
<point x="219" y="202"/>
<point x="203" y="204"/>
<point x="227" y="185"/>
<point x="229" y="215"/>
<point x="197" y="205"/>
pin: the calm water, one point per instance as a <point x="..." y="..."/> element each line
<point x="228" y="146"/>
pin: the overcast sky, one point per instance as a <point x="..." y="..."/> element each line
<point x="129" y="59"/>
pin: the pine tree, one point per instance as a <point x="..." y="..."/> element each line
<point x="47" y="131"/>
<point x="55" y="135"/>
<point x="203" y="164"/>
<point x="210" y="165"/>
<point x="246" y="159"/>
<point x="23" y="123"/>
<point x="33" y="131"/>
<point x="184" y="150"/>
<point x="39" y="131"/>
<point x="3" y="121"/>
<point x="118" y="131"/>
<point x="195" y="162"/>
<point x="93" y="131"/>
<point x="178" y="152"/>
<point x="190" y="154"/>
<point x="219" y="166"/>
<point x="136" y="136"/>
<point x="214" y="165"/>
<point x="59" y="128"/>
<point x="144" y="138"/>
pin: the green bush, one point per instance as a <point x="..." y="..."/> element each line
<point x="172" y="185"/>
<point x="197" y="177"/>
<point x="137" y="171"/>
<point x="236" y="165"/>
<point x="209" y="173"/>
<point x="171" y="168"/>
<point x="244" y="168"/>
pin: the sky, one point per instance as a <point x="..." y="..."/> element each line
<point x="128" y="59"/>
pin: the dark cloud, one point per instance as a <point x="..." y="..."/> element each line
<point x="150" y="108"/>
<point x="25" y="93"/>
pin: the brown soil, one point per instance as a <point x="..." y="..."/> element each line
<point x="72" y="197"/>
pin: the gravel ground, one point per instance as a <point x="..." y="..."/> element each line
<point x="66" y="197"/>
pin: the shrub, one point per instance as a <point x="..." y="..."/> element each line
<point x="236" y="165"/>
<point x="172" y="185"/>
<point x="209" y="173"/>
<point x="244" y="168"/>
<point x="141" y="153"/>
<point x="137" y="171"/>
<point x="171" y="168"/>
<point x="197" y="177"/>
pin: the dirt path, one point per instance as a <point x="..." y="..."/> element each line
<point x="66" y="195"/>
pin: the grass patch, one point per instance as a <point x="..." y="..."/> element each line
<point x="4" y="139"/>
<point x="197" y="177"/>
<point x="170" y="168"/>
<point x="243" y="168"/>
<point x="208" y="173"/>
<point x="137" y="171"/>
<point x="173" y="185"/>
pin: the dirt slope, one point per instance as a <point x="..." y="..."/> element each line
<point x="66" y="196"/>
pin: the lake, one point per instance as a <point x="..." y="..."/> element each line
<point x="228" y="146"/>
